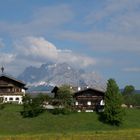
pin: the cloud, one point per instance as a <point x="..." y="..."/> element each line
<point x="112" y="9"/>
<point x="53" y="15"/>
<point x="38" y="49"/>
<point x="77" y="59"/>
<point x="104" y="41"/>
<point x="113" y="26"/>
<point x="42" y="20"/>
<point x="34" y="51"/>
<point x="6" y="58"/>
<point x="133" y="69"/>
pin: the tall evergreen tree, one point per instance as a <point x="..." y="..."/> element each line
<point x="113" y="112"/>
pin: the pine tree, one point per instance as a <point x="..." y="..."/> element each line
<point x="113" y="112"/>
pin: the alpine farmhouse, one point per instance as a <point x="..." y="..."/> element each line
<point x="86" y="99"/>
<point x="11" y="89"/>
<point x="89" y="100"/>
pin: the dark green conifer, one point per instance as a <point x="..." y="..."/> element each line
<point x="113" y="112"/>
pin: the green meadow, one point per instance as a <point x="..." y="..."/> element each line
<point x="79" y="126"/>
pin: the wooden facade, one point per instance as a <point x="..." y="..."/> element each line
<point x="11" y="89"/>
<point x="89" y="100"/>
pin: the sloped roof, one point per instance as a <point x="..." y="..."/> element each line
<point x="12" y="78"/>
<point x="87" y="89"/>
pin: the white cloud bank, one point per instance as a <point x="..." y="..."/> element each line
<point x="39" y="49"/>
<point x="111" y="28"/>
<point x="36" y="51"/>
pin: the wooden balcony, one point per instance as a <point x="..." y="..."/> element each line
<point x="85" y="107"/>
<point x="6" y="85"/>
<point x="12" y="93"/>
<point x="88" y="97"/>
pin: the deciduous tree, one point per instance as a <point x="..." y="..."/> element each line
<point x="65" y="95"/>
<point x="128" y="90"/>
<point x="128" y="95"/>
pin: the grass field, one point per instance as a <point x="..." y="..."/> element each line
<point x="74" y="126"/>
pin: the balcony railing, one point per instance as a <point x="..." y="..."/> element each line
<point x="11" y="93"/>
<point x="85" y="107"/>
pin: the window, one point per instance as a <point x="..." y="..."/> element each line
<point x="17" y="90"/>
<point x="89" y="103"/>
<point x="5" y="99"/>
<point x="11" y="99"/>
<point x="17" y="99"/>
<point x="102" y="102"/>
<point x="76" y="103"/>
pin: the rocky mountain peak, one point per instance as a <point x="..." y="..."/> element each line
<point x="59" y="74"/>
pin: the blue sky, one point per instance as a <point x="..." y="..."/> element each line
<point x="95" y="35"/>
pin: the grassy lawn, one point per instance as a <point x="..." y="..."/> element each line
<point x="74" y="126"/>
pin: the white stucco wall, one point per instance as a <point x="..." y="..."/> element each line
<point x="15" y="98"/>
<point x="23" y="90"/>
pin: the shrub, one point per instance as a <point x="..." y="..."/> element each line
<point x="32" y="107"/>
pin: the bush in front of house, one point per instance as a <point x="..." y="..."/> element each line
<point x="32" y="107"/>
